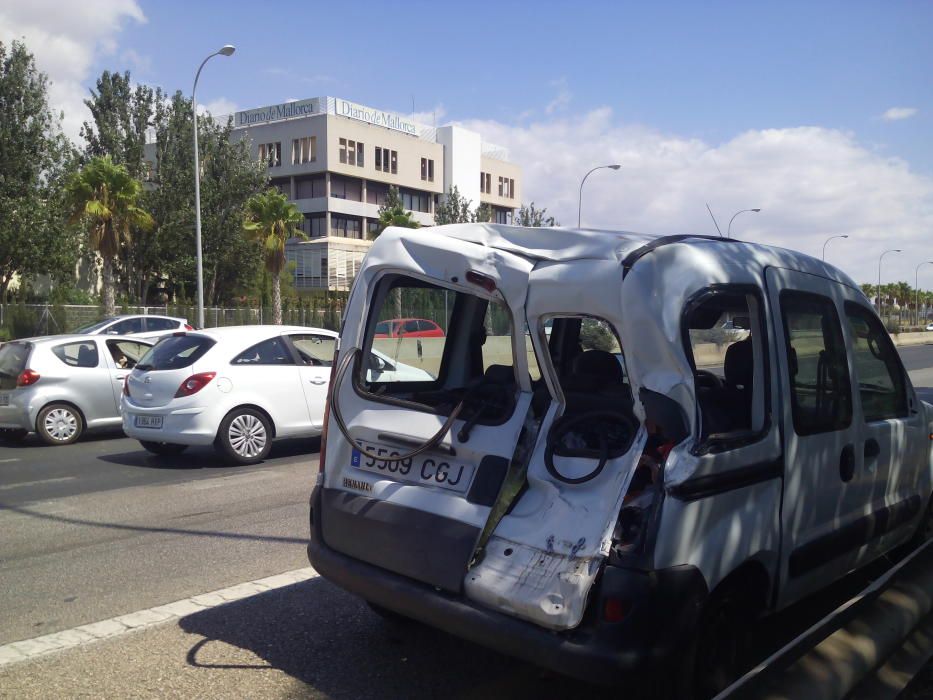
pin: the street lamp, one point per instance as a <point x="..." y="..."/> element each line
<point x="580" y="200"/>
<point x="741" y="211"/>
<point x="827" y="241"/>
<point x="226" y="50"/>
<point x="881" y="257"/>
<point x="917" y="286"/>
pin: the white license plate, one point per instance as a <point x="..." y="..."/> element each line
<point x="148" y="421"/>
<point x="4" y="399"/>
<point x="427" y="470"/>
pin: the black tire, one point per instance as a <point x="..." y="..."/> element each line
<point x="12" y="434"/>
<point x="720" y="651"/>
<point x="59" y="424"/>
<point x="163" y="448"/>
<point x="245" y="436"/>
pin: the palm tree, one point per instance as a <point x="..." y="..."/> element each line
<point x="392" y="213"/>
<point x="106" y="197"/>
<point x="271" y="220"/>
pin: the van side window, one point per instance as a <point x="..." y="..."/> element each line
<point x="724" y="328"/>
<point x="821" y="394"/>
<point x="881" y="385"/>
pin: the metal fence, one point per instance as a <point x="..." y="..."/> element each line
<point x="26" y="320"/>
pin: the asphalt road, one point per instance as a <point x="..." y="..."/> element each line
<point x="102" y="528"/>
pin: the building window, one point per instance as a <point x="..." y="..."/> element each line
<point x="314" y="225"/>
<point x="511" y="188"/>
<point x="376" y="192"/>
<point x="488" y="183"/>
<point x="304" y="150"/>
<point x="507" y="188"/>
<point x="271" y="154"/>
<point x="346" y="188"/>
<point x="503" y="216"/>
<point x="386" y="160"/>
<point x="351" y="152"/>
<point x="283" y="185"/>
<point x="427" y="169"/>
<point x="310" y="187"/>
<point x="372" y="227"/>
<point x="485" y="183"/>
<point x="415" y="200"/>
<point x="346" y="226"/>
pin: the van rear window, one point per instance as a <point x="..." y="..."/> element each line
<point x="175" y="352"/>
<point x="429" y="344"/>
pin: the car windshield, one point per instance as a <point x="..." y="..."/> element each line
<point x="92" y="327"/>
<point x="175" y="352"/>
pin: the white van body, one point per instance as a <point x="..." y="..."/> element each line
<point x="773" y="476"/>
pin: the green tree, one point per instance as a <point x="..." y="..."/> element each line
<point x="532" y="216"/>
<point x="34" y="160"/>
<point x="455" y="209"/>
<point x="483" y="214"/>
<point x="271" y="220"/>
<point x="105" y="198"/>
<point x="229" y="177"/>
<point x="392" y="213"/>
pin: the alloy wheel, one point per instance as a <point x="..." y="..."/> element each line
<point x="247" y="436"/>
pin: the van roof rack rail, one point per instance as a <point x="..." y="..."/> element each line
<point x="639" y="253"/>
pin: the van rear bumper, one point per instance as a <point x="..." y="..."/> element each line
<point x="663" y="607"/>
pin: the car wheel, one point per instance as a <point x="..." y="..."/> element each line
<point x="720" y="651"/>
<point x="163" y="448"/>
<point x="245" y="436"/>
<point x="12" y="434"/>
<point x="59" y="424"/>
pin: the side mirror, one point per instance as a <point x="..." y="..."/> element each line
<point x="377" y="364"/>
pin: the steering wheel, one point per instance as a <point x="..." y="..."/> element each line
<point x="705" y="379"/>
<point x="592" y="422"/>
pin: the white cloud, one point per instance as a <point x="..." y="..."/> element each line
<point x="66" y="38"/>
<point x="431" y="117"/>
<point x="562" y="99"/>
<point x="221" y="107"/>
<point x="810" y="182"/>
<point x="897" y="113"/>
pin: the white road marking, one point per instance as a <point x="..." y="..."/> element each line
<point x="34" y="483"/>
<point x="5" y="461"/>
<point x="141" y="619"/>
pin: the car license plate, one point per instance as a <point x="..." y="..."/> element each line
<point x="427" y="470"/>
<point x="148" y="421"/>
<point x="4" y="399"/>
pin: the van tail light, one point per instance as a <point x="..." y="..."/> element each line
<point x="484" y="281"/>
<point x="27" y="377"/>
<point x="189" y="328"/>
<point x="330" y="397"/>
<point x="126" y="385"/>
<point x="194" y="384"/>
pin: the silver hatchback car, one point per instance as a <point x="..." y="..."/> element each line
<point x="58" y="386"/>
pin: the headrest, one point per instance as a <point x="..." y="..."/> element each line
<point x="739" y="366"/>
<point x="599" y="364"/>
<point x="499" y="374"/>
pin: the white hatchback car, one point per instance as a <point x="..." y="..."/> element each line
<point x="142" y="325"/>
<point x="237" y="388"/>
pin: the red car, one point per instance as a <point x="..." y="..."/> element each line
<point x="408" y="328"/>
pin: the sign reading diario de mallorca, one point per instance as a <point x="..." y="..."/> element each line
<point x="376" y="117"/>
<point x="274" y="113"/>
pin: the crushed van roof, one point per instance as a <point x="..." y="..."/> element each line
<point x="558" y="243"/>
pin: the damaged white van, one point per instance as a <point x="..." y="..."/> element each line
<point x="596" y="477"/>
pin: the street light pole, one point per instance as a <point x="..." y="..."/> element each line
<point x="880" y="258"/>
<point x="827" y="241"/>
<point x="741" y="211"/>
<point x="226" y="50"/>
<point x="917" y="286"/>
<point x="580" y="200"/>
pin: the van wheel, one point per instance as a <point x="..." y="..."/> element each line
<point x="721" y="643"/>
<point x="163" y="448"/>
<point x="59" y="424"/>
<point x="245" y="436"/>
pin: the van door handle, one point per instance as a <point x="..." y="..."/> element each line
<point x="872" y="448"/>
<point x="847" y="463"/>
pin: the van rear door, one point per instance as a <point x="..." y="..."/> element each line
<point x="421" y="517"/>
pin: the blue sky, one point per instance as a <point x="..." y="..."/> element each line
<point x="819" y="113"/>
